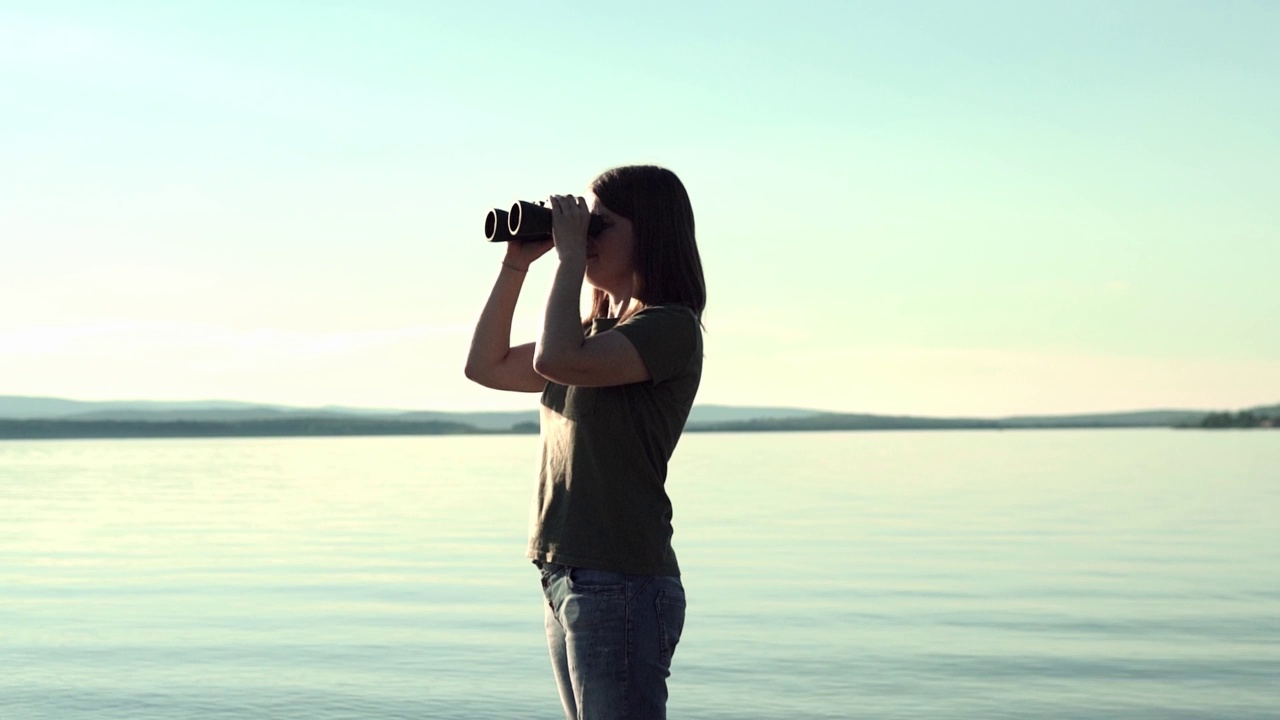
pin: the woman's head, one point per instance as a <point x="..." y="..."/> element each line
<point x="664" y="251"/>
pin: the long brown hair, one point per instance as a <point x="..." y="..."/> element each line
<point x="668" y="267"/>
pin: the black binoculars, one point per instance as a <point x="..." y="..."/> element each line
<point x="527" y="222"/>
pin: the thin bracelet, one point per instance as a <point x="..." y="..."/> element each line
<point x="513" y="267"/>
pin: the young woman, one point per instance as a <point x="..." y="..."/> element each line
<point x="616" y="392"/>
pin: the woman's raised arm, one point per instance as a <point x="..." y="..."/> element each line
<point x="492" y="361"/>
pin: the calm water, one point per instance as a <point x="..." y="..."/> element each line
<point x="1044" y="574"/>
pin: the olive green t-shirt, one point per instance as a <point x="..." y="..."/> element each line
<point x="601" y="501"/>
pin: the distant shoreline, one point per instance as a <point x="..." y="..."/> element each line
<point x="36" y="418"/>
<point x="45" y="429"/>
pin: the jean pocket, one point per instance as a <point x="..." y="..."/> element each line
<point x="588" y="580"/>
<point x="546" y="570"/>
<point x="671" y="606"/>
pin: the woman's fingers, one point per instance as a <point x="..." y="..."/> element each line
<point x="570" y="220"/>
<point x="570" y="207"/>
<point x="568" y="203"/>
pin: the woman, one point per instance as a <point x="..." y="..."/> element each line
<point x="616" y="392"/>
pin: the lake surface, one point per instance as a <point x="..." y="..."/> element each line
<point x="984" y="574"/>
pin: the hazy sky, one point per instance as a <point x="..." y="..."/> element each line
<point x="935" y="208"/>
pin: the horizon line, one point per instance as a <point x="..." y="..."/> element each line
<point x="331" y="406"/>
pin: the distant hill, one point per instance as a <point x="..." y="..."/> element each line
<point x="32" y="408"/>
<point x="36" y="417"/>
<point x="842" y="421"/>
<point x="1145" y="418"/>
<point x="1263" y="416"/>
<point x="1265" y="410"/>
<point x="12" y="406"/>
<point x="504" y="420"/>
<point x="230" y="415"/>
<point x="699" y="414"/>
<point x="303" y="426"/>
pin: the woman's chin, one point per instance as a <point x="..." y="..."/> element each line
<point x="613" y="285"/>
<point x="598" y="283"/>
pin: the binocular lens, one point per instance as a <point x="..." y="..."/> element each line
<point x="527" y="219"/>
<point x="527" y="222"/>
<point x="495" y="226"/>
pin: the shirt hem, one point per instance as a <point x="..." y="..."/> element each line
<point x="560" y="558"/>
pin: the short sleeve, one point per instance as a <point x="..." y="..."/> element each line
<point x="666" y="336"/>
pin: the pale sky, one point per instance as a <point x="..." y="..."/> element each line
<point x="935" y="208"/>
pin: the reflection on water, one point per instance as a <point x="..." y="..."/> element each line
<point x="1048" y="574"/>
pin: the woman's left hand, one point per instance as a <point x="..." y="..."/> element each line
<point x="570" y="218"/>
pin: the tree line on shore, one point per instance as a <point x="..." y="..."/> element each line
<point x="1242" y="419"/>
<point x="276" y="427"/>
<point x="354" y="425"/>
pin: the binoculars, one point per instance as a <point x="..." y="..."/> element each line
<point x="527" y="222"/>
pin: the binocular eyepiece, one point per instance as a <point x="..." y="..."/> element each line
<point x="527" y="222"/>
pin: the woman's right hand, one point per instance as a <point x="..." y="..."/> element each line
<point x="521" y="254"/>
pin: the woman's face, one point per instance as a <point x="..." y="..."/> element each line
<point x="610" y="255"/>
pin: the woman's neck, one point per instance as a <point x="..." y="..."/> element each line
<point x="621" y="300"/>
<point x="619" y="305"/>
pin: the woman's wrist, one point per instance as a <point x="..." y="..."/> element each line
<point x="512" y="266"/>
<point x="572" y="255"/>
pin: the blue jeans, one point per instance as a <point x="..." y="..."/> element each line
<point x="611" y="637"/>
